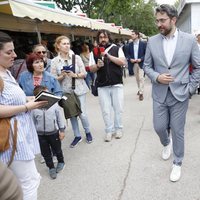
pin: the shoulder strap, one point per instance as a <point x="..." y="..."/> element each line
<point x="20" y="67"/>
<point x="14" y="147"/>
<point x="73" y="64"/>
<point x="1" y="84"/>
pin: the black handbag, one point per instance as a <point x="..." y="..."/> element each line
<point x="72" y="105"/>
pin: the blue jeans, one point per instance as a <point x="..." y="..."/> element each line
<point x="111" y="99"/>
<point x="83" y="117"/>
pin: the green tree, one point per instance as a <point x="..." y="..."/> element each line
<point x="133" y="14"/>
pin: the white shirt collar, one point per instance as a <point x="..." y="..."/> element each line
<point x="175" y="35"/>
<point x="70" y="56"/>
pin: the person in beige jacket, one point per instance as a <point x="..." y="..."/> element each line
<point x="9" y="186"/>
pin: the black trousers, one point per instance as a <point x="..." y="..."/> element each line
<point x="48" y="142"/>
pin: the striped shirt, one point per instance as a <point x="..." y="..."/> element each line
<point x="27" y="139"/>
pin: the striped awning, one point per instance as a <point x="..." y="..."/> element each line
<point x="19" y="8"/>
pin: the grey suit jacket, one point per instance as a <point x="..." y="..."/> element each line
<point x="155" y="63"/>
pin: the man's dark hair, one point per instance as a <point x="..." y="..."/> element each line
<point x="136" y="32"/>
<point x="170" y="10"/>
<point x="4" y="38"/>
<point x="105" y="32"/>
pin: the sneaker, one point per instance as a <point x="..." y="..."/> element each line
<point x="108" y="137"/>
<point x="88" y="138"/>
<point x="175" y="173"/>
<point x="55" y="159"/>
<point x="52" y="173"/>
<point x="42" y="161"/>
<point x="60" y="167"/>
<point x="167" y="151"/>
<point x="75" y="141"/>
<point x="118" y="134"/>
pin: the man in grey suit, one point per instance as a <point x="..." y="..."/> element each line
<point x="166" y="63"/>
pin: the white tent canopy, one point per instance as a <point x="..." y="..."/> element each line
<point x="28" y="9"/>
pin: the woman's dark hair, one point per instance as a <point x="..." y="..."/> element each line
<point x="170" y="10"/>
<point x="4" y="38"/>
<point x="30" y="59"/>
<point x="105" y="32"/>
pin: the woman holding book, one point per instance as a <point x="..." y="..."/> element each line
<point x="13" y="105"/>
<point x="58" y="65"/>
<point x="36" y="75"/>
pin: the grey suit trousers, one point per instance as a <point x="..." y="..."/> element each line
<point x="171" y="113"/>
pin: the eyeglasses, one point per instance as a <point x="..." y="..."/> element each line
<point x="103" y="37"/>
<point x="41" y="52"/>
<point x="162" y="21"/>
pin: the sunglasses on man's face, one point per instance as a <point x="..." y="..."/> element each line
<point x="41" y="52"/>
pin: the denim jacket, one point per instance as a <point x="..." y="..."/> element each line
<point x="49" y="81"/>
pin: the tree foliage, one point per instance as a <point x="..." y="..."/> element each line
<point x="133" y="14"/>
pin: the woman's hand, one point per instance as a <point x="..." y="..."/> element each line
<point x="71" y="74"/>
<point x="33" y="105"/>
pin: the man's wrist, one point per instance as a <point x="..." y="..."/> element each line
<point x="157" y="79"/>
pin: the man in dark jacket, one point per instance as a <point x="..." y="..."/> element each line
<point x="136" y="53"/>
<point x="108" y="65"/>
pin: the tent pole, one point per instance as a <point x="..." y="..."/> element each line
<point x="38" y="33"/>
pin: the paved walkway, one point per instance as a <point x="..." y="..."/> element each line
<point x="130" y="168"/>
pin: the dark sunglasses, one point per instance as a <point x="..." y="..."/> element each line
<point x="40" y="52"/>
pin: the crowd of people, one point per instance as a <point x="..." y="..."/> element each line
<point x="165" y="59"/>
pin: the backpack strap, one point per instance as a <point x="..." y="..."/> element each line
<point x="73" y="64"/>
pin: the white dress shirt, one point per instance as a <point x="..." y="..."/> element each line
<point x="135" y="49"/>
<point x="169" y="46"/>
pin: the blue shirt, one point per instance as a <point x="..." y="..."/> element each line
<point x="27" y="139"/>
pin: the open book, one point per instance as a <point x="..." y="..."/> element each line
<point x="47" y="96"/>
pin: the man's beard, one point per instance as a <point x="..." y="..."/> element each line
<point x="105" y="45"/>
<point x="165" y="31"/>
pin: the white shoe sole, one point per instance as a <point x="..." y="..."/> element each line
<point x="76" y="144"/>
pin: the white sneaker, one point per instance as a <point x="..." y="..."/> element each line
<point x="118" y="134"/>
<point x="167" y="151"/>
<point x="42" y="160"/>
<point x="108" y="137"/>
<point x="175" y="173"/>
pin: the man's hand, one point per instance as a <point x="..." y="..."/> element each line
<point x="132" y="60"/>
<point x="100" y="63"/>
<point x="138" y="60"/>
<point x="165" y="78"/>
<point x="61" y="135"/>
